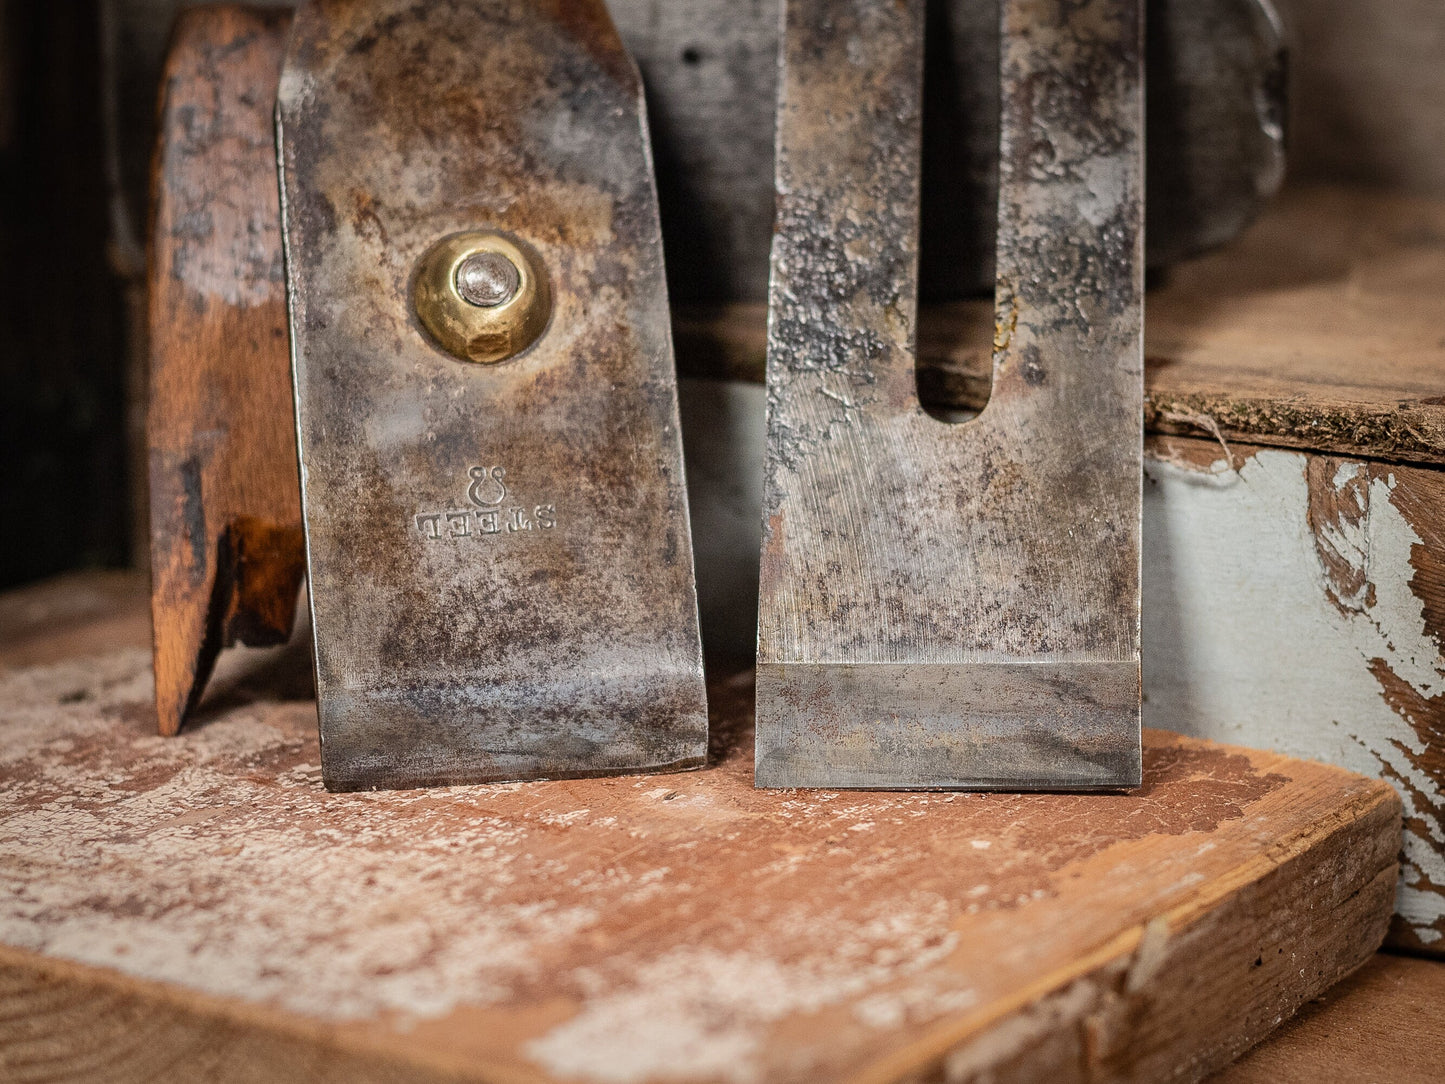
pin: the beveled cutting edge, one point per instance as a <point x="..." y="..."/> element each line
<point x="954" y="605"/>
<point x="499" y="551"/>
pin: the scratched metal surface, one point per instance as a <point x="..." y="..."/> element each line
<point x="550" y="627"/>
<point x="954" y="605"/>
<point x="1216" y="73"/>
<point x="1216" y="134"/>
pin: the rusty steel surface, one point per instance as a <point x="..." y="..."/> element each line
<point x="1216" y="76"/>
<point x="954" y="605"/>
<point x="500" y="557"/>
<point x="1216" y="133"/>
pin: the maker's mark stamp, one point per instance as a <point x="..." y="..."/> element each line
<point x="488" y="491"/>
<point x="487" y="487"/>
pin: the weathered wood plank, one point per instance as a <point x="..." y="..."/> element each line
<point x="226" y="546"/>
<point x="1297" y="602"/>
<point x="203" y="908"/>
<point x="1322" y="327"/>
<point x="1381" y="1023"/>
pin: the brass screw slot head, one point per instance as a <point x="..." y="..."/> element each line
<point x="482" y="296"/>
<point x="488" y="279"/>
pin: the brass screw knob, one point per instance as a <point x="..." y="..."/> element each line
<point x="482" y="296"/>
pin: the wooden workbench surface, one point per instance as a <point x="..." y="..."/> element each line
<point x="198" y="907"/>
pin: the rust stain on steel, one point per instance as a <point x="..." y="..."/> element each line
<point x="1216" y="77"/>
<point x="500" y="557"/>
<point x="226" y="551"/>
<point x="954" y="606"/>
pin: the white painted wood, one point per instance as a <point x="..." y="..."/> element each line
<point x="1242" y="642"/>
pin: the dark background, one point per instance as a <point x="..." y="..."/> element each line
<point x="63" y="477"/>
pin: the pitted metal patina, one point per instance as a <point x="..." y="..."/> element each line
<point x="954" y="605"/>
<point x="500" y="557"/>
<point x="1216" y="138"/>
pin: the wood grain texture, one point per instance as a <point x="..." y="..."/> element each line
<point x="1294" y="602"/>
<point x="1383" y="1023"/>
<point x="1322" y="327"/>
<point x="202" y="909"/>
<point x="226" y="545"/>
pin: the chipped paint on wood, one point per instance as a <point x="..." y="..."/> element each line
<point x="1339" y="507"/>
<point x="678" y="926"/>
<point x="1294" y="602"/>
